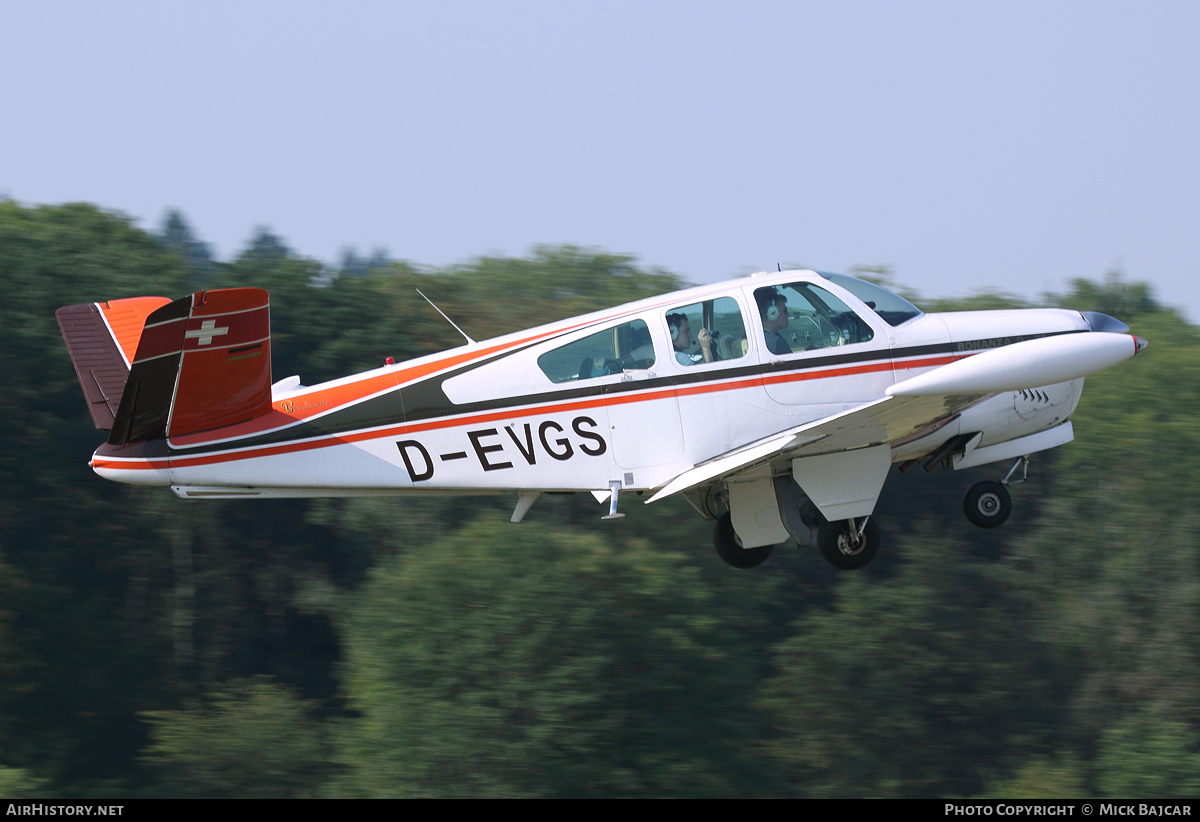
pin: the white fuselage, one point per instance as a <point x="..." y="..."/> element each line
<point x="494" y="415"/>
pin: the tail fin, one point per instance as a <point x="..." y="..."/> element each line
<point x="201" y="362"/>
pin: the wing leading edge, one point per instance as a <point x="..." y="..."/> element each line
<point x="923" y="401"/>
<point x="880" y="422"/>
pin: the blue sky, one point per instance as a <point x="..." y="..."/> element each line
<point x="969" y="145"/>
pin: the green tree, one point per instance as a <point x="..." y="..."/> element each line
<point x="85" y="665"/>
<point x="1126" y="300"/>
<point x="177" y="235"/>
<point x="18" y="783"/>
<point x="923" y="684"/>
<point x="1042" y="778"/>
<point x="144" y="641"/>
<point x="249" y="739"/>
<point x="526" y="661"/>
<point x="1116" y="554"/>
<point x="1149" y="754"/>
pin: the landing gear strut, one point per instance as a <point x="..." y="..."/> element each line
<point x="729" y="547"/>
<point x="849" y="544"/>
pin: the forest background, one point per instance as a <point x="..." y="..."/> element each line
<point x="401" y="647"/>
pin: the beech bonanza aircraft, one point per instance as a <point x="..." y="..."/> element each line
<point x="774" y="404"/>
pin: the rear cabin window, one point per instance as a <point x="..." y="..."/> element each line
<point x="726" y="338"/>
<point x="606" y="352"/>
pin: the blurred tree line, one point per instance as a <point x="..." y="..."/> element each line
<point x="427" y="647"/>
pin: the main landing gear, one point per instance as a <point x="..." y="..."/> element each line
<point x="849" y="544"/>
<point x="988" y="504"/>
<point x="729" y="547"/>
<point x="846" y="544"/>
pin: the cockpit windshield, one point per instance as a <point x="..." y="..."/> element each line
<point x="891" y="308"/>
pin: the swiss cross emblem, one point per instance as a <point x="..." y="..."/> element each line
<point x="205" y="333"/>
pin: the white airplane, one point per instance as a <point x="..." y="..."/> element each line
<point x="774" y="404"/>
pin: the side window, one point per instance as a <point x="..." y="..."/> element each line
<point x="709" y="331"/>
<point x="606" y="352"/>
<point x="800" y="317"/>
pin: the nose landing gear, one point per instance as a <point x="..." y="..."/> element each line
<point x="988" y="504"/>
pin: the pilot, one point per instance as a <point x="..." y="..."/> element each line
<point x="772" y="307"/>
<point x="681" y="338"/>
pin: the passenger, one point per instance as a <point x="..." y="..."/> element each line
<point x="772" y="307"/>
<point x="681" y="338"/>
<point x="642" y="355"/>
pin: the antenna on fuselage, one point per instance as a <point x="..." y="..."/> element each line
<point x="443" y="313"/>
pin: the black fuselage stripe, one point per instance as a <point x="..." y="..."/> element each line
<point x="425" y="399"/>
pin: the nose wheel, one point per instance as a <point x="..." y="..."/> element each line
<point x="987" y="504"/>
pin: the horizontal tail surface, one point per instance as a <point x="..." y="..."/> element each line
<point x="102" y="339"/>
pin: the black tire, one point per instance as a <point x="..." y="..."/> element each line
<point x="987" y="504"/>
<point x="729" y="547"/>
<point x="833" y="540"/>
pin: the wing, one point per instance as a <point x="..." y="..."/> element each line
<point x="918" y="403"/>
<point x="880" y="422"/>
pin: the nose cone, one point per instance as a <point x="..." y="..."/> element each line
<point x="1141" y="343"/>
<point x="1103" y="322"/>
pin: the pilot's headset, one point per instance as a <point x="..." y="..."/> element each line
<point x="769" y="297"/>
<point x="673" y="323"/>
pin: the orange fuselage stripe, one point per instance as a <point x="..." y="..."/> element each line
<point x="524" y="411"/>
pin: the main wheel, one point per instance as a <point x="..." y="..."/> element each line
<point x="987" y="504"/>
<point x="729" y="547"/>
<point x="845" y="550"/>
